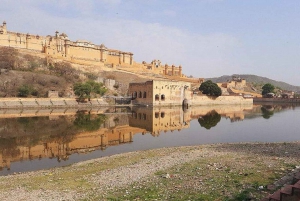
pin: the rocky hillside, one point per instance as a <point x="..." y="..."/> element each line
<point x="31" y="71"/>
<point x="257" y="81"/>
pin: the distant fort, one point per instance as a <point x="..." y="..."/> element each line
<point x="59" y="46"/>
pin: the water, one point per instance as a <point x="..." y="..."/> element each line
<point x="42" y="139"/>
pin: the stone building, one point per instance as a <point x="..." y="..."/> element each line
<point x="159" y="92"/>
<point x="157" y="67"/>
<point x="59" y="46"/>
<point x="171" y="93"/>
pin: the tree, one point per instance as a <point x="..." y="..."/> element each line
<point x="209" y="120"/>
<point x="210" y="88"/>
<point x="267" y="111"/>
<point x="84" y="90"/>
<point x="267" y="88"/>
<point x="27" y="90"/>
<point x="89" y="122"/>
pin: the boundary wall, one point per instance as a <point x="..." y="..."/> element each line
<point x="49" y="103"/>
<point x="276" y="100"/>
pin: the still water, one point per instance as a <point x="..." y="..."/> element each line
<point x="46" y="138"/>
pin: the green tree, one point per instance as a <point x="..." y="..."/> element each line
<point x="82" y="90"/>
<point x="89" y="122"/>
<point x="209" y="120"/>
<point x="267" y="88"/>
<point x="27" y="90"/>
<point x="267" y="111"/>
<point x="210" y="88"/>
<point x="97" y="88"/>
<point x="85" y="90"/>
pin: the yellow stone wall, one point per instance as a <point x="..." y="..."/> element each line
<point x="161" y="92"/>
<point x="59" y="46"/>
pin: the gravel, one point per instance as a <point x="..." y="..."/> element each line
<point x="141" y="170"/>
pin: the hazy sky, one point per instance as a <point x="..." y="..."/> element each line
<point x="209" y="38"/>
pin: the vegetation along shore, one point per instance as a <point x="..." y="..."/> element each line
<point x="242" y="171"/>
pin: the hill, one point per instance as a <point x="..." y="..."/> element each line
<point x="33" y="72"/>
<point x="257" y="81"/>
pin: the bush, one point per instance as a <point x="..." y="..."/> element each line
<point x="267" y="88"/>
<point x="26" y="90"/>
<point x="84" y="90"/>
<point x="210" y="88"/>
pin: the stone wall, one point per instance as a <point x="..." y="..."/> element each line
<point x="59" y="46"/>
<point x="221" y="100"/>
<point x="168" y="93"/>
<point x="48" y="103"/>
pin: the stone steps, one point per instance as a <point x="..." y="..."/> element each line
<point x="287" y="193"/>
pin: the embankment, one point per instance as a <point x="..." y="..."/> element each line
<point x="6" y="103"/>
<point x="276" y="100"/>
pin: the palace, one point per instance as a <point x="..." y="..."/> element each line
<point x="60" y="46"/>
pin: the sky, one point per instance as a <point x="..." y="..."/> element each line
<point x="208" y="38"/>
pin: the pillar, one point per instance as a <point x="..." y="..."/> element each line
<point x="28" y="40"/>
<point x="173" y="70"/>
<point x="166" y="69"/>
<point x="120" y="138"/>
<point x="4" y="28"/>
<point x="67" y="47"/>
<point x="180" y="71"/>
<point x="120" y="58"/>
<point x="131" y="58"/>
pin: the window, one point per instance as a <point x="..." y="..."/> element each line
<point x="156" y="97"/>
<point x="156" y="115"/>
<point x="134" y="95"/>
<point x="145" y="95"/>
<point x="163" y="97"/>
<point x="162" y="115"/>
<point x="140" y="94"/>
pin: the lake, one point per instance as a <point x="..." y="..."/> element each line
<point x="38" y="139"/>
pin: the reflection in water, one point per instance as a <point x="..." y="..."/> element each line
<point x="209" y="120"/>
<point x="267" y="111"/>
<point x="58" y="134"/>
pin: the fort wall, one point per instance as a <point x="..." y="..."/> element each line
<point x="59" y="46"/>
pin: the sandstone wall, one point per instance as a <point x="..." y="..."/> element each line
<point x="48" y="103"/>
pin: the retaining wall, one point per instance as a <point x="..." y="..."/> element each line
<point x="276" y="100"/>
<point x="48" y="103"/>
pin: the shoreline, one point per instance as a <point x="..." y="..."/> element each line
<point x="127" y="174"/>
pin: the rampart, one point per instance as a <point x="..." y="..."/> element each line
<point x="59" y="46"/>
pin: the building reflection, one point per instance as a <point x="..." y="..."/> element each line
<point x="45" y="134"/>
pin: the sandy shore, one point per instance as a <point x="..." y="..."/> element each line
<point x="173" y="172"/>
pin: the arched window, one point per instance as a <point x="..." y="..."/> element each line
<point x="156" y="114"/>
<point x="163" y="97"/>
<point x="140" y="94"/>
<point x="145" y="94"/>
<point x="162" y="115"/>
<point x="156" y="97"/>
<point x="134" y="95"/>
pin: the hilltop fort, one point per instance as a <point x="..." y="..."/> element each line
<point x="59" y="46"/>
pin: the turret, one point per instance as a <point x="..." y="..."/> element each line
<point x="166" y="69"/>
<point x="180" y="70"/>
<point x="3" y="30"/>
<point x="173" y="70"/>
